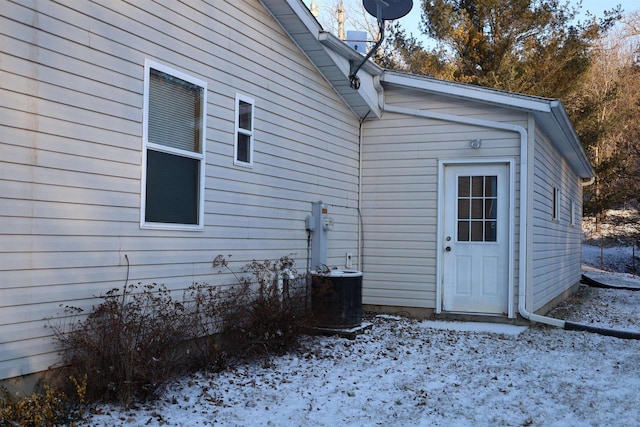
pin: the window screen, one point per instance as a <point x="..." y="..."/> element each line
<point x="172" y="188"/>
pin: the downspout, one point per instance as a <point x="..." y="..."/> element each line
<point x="360" y="224"/>
<point x="522" y="262"/>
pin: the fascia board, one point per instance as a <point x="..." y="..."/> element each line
<point x="477" y="93"/>
<point x="561" y="118"/>
<point x="335" y="44"/>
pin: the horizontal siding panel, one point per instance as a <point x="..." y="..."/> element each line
<point x="55" y="193"/>
<point x="110" y="137"/>
<point x="70" y="114"/>
<point x="53" y="210"/>
<point x="18" y="365"/>
<point x="399" y="299"/>
<point x="68" y="161"/>
<point x="26" y="178"/>
<point x="93" y="99"/>
<point x="127" y="153"/>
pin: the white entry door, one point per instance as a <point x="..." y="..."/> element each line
<point x="475" y="242"/>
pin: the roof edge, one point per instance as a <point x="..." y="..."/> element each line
<point x="467" y="91"/>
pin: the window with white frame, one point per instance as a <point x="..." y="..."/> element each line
<point x="243" y="148"/>
<point x="173" y="148"/>
<point x="556" y="204"/>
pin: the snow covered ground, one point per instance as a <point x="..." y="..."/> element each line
<point x="404" y="372"/>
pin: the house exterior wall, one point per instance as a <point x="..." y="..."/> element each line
<point x="556" y="243"/>
<point x="400" y="190"/>
<point x="71" y="126"/>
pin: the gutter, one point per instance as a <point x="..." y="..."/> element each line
<point x="587" y="182"/>
<point x="522" y="282"/>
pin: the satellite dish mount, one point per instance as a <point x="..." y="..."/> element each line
<point x="382" y="10"/>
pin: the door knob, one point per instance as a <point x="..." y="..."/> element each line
<point x="448" y="249"/>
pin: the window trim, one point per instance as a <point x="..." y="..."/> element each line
<point x="238" y="130"/>
<point x="146" y="145"/>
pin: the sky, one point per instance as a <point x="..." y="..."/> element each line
<point x="411" y="22"/>
<point x="596" y="7"/>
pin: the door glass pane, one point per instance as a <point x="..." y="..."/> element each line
<point x="477" y="210"/>
<point x="477" y="231"/>
<point x="477" y="186"/>
<point x="490" y="187"/>
<point x="490" y="208"/>
<point x="463" y="208"/>
<point x="463" y="231"/>
<point x="490" y="231"/>
<point x="463" y="186"/>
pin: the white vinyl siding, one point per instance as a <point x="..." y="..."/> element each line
<point x="71" y="111"/>
<point x="400" y="191"/>
<point x="556" y="257"/>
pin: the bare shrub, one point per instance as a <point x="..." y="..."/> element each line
<point x="266" y="311"/>
<point x="135" y="340"/>
<point x="139" y="337"/>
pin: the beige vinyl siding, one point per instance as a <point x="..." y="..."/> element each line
<point x="399" y="190"/>
<point x="71" y="140"/>
<point x="556" y="257"/>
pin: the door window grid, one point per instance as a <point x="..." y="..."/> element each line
<point x="477" y="208"/>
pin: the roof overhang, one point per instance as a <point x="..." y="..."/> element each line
<point x="550" y="115"/>
<point x="330" y="56"/>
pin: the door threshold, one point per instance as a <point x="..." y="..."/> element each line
<point x="480" y="317"/>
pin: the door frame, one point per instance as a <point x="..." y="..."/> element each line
<point x="442" y="163"/>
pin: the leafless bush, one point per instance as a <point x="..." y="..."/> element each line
<point x="134" y="341"/>
<point x="140" y="337"/>
<point x="266" y="311"/>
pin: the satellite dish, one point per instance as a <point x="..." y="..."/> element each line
<point x="382" y="10"/>
<point x="390" y="9"/>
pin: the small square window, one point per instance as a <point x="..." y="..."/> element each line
<point x="243" y="148"/>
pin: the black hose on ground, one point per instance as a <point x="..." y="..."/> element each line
<point x="594" y="283"/>
<point x="627" y="335"/>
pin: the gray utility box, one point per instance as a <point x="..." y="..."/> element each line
<point x="336" y="299"/>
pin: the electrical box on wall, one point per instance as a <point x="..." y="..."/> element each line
<point x="310" y="223"/>
<point x="319" y="224"/>
<point x="348" y="262"/>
